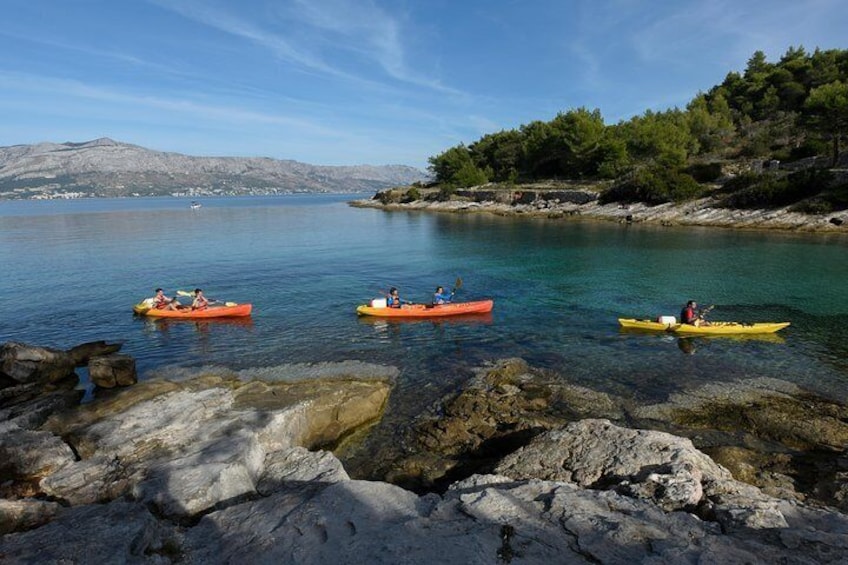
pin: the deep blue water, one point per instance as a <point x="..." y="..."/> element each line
<point x="71" y="270"/>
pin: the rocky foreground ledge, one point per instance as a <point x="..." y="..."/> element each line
<point x="556" y="200"/>
<point x="227" y="467"/>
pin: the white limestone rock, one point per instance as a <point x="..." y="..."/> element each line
<point x="655" y="466"/>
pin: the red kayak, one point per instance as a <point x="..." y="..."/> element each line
<point x="427" y="311"/>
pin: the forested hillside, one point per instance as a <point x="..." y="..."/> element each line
<point x="792" y="111"/>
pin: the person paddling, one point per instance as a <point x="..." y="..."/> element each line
<point x="441" y="297"/>
<point x="200" y="302"/>
<point x="162" y="302"/>
<point x="690" y="315"/>
<point x="393" y="299"/>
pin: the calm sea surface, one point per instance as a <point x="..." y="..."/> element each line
<point x="71" y="270"/>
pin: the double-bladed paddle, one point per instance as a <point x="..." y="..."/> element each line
<point x="211" y="300"/>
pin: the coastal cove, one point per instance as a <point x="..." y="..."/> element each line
<point x="216" y="453"/>
<point x="75" y="268"/>
<point x="380" y="283"/>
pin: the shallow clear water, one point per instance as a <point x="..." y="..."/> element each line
<point x="70" y="272"/>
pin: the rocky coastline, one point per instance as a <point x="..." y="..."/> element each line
<point x="573" y="200"/>
<point x="221" y="466"/>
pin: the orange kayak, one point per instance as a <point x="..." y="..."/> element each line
<point x="214" y="311"/>
<point x="427" y="311"/>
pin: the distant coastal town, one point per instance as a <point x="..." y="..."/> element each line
<point x="58" y="193"/>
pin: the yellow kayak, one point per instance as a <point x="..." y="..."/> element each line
<point x="713" y="328"/>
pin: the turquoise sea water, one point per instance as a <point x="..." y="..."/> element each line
<point x="71" y="271"/>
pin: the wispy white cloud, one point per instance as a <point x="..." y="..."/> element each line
<point x="101" y="54"/>
<point x="333" y="26"/>
<point x="729" y="31"/>
<point x="208" y="14"/>
<point x="483" y="125"/>
<point x="364" y="28"/>
<point x="681" y="46"/>
<point x="33" y="84"/>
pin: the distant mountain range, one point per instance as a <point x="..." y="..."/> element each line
<point x="105" y="167"/>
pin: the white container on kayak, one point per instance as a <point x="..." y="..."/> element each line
<point x="667" y="320"/>
<point x="378" y="303"/>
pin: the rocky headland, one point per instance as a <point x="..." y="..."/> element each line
<point x="573" y="200"/>
<point x="221" y="466"/>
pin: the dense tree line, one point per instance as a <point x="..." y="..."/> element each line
<point x="788" y="110"/>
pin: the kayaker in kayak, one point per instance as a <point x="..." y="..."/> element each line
<point x="393" y="299"/>
<point x="441" y="297"/>
<point x="162" y="302"/>
<point x="200" y="302"/>
<point x="690" y="315"/>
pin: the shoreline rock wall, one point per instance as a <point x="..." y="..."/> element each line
<point x="568" y="200"/>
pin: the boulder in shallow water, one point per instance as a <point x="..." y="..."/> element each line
<point x="29" y="363"/>
<point x="81" y="354"/>
<point x="110" y="371"/>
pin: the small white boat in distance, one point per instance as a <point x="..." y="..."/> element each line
<point x="195" y="205"/>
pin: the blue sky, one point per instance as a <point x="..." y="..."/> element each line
<point x="344" y="82"/>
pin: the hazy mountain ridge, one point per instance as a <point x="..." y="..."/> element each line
<point x="104" y="167"/>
